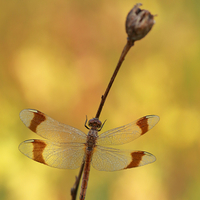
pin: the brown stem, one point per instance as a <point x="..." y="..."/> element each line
<point x="76" y="184"/>
<point x="138" y="24"/>
<point x="127" y="47"/>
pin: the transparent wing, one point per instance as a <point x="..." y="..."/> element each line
<point x="128" y="132"/>
<point x="49" y="128"/>
<point x="110" y="159"/>
<point x="63" y="156"/>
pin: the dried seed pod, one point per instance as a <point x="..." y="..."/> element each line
<point x="138" y="23"/>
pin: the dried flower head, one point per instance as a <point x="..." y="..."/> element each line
<point x="138" y="23"/>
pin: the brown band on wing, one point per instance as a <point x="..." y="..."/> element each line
<point x="38" y="118"/>
<point x="38" y="148"/>
<point x="136" y="158"/>
<point x="143" y="124"/>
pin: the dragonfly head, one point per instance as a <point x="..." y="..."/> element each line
<point x="94" y="123"/>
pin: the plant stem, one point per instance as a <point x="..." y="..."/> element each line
<point x="76" y="184"/>
<point x="127" y="47"/>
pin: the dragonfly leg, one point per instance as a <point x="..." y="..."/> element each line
<point x="102" y="125"/>
<point x="86" y="123"/>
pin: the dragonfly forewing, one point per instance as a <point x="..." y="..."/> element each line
<point x="49" y="128"/>
<point x="128" y="132"/>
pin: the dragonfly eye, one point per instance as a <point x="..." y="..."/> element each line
<point x="95" y="122"/>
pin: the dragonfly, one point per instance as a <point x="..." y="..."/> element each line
<point x="67" y="147"/>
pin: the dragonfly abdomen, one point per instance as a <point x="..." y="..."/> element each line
<point x="86" y="174"/>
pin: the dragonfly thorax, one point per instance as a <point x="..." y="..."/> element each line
<point x="91" y="139"/>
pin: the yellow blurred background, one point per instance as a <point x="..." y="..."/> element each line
<point x="57" y="56"/>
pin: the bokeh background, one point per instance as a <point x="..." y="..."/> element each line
<point x="57" y="56"/>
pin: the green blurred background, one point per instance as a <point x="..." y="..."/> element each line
<point x="57" y="56"/>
